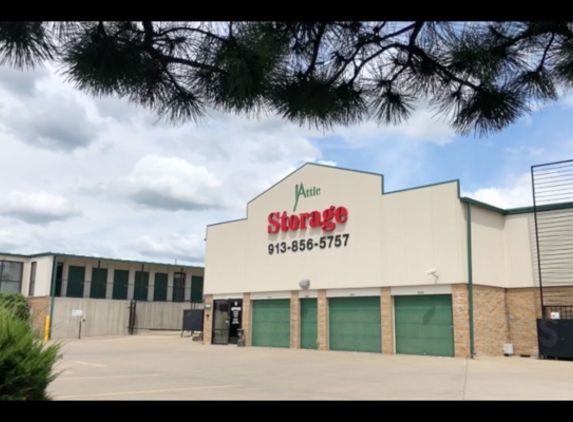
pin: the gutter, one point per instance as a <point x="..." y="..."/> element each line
<point x="52" y="294"/>
<point x="470" y="280"/>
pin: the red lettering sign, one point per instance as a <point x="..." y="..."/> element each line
<point x="327" y="220"/>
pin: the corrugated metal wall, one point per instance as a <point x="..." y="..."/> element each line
<point x="102" y="317"/>
<point x="161" y="315"/>
<point x="111" y="317"/>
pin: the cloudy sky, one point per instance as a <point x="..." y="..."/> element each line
<point x="103" y="177"/>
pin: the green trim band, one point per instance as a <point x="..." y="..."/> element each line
<point x="428" y="186"/>
<point x="125" y="261"/>
<point x="53" y="294"/>
<point x="470" y="281"/>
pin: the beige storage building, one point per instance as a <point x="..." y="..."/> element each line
<point x="327" y="260"/>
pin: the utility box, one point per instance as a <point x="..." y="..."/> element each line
<point x="192" y="320"/>
<point x="508" y="349"/>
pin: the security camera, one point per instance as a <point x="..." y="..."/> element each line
<point x="433" y="271"/>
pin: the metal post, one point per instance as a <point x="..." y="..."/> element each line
<point x="537" y="244"/>
<point x="48" y="335"/>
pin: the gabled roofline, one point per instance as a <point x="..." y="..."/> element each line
<point x="124" y="261"/>
<point x="456" y="181"/>
<point x="317" y="165"/>
<point x="520" y="210"/>
<point x="508" y="211"/>
<point x="289" y="175"/>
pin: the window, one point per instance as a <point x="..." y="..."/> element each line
<point x="11" y="276"/>
<point x="59" y="278"/>
<point x="98" y="284"/>
<point x="120" y="284"/>
<point x="32" y="286"/>
<point x="76" y="281"/>
<point x="141" y="285"/>
<point x="178" y="287"/>
<point x="196" y="289"/>
<point x="160" y="287"/>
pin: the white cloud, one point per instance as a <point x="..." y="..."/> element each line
<point x="568" y="101"/>
<point x="37" y="207"/>
<point x="188" y="248"/>
<point x="171" y="183"/>
<point x="422" y="126"/>
<point x="147" y="191"/>
<point x="327" y="163"/>
<point x="517" y="194"/>
<point x="531" y="151"/>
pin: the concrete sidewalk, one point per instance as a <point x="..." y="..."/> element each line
<point x="167" y="367"/>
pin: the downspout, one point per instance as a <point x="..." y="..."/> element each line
<point x="470" y="281"/>
<point x="53" y="294"/>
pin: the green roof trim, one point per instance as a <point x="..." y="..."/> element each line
<point x="509" y="211"/>
<point x="521" y="210"/>
<point x="226" y="222"/>
<point x="318" y="165"/>
<point x="482" y="204"/>
<point x="296" y="171"/>
<point x="428" y="186"/>
<point x="125" y="261"/>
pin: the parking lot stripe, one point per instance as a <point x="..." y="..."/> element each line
<point x="87" y="363"/>
<point x="123" y="393"/>
<point x="112" y="376"/>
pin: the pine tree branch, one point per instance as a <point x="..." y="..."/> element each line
<point x="316" y="49"/>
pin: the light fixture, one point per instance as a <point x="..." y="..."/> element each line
<point x="304" y="284"/>
<point x="434" y="272"/>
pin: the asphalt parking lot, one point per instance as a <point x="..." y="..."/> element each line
<point x="170" y="367"/>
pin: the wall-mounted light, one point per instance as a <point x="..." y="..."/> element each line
<point x="434" y="272"/>
<point x="304" y="284"/>
<point x="207" y="306"/>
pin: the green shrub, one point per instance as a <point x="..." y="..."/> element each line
<point x="26" y="362"/>
<point x="17" y="304"/>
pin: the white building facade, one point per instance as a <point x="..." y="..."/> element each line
<point x="326" y="259"/>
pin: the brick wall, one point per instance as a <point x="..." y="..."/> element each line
<point x="246" y="322"/>
<point x="40" y="310"/>
<point x="461" y="320"/>
<point x="322" y="329"/>
<point x="208" y="320"/>
<point x="490" y="320"/>
<point x="294" y="320"/>
<point x="523" y="308"/>
<point x="386" y="307"/>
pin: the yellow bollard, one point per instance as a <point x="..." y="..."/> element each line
<point x="47" y="329"/>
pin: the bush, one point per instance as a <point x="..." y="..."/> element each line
<point x="26" y="363"/>
<point x="17" y="303"/>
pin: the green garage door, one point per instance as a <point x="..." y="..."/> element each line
<point x="308" y="324"/>
<point x="354" y="324"/>
<point x="271" y="323"/>
<point x="424" y="325"/>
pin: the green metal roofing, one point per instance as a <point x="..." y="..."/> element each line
<point x="126" y="261"/>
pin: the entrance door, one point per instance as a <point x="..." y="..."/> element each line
<point x="236" y="316"/>
<point x="221" y="322"/>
